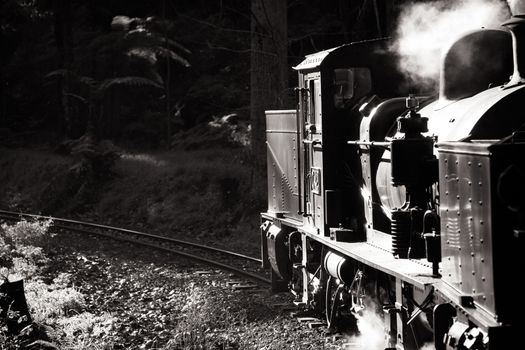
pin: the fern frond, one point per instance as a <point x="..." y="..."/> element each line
<point x="172" y="55"/>
<point x="58" y="73"/>
<point x="87" y="81"/>
<point x="78" y="97"/>
<point x="144" y="37"/>
<point x="144" y="54"/>
<point x="177" y="45"/>
<point x="128" y="81"/>
<point x="121" y="23"/>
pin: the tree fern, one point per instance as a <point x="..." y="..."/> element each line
<point x="135" y="54"/>
<point x="172" y="55"/>
<point x="127" y="81"/>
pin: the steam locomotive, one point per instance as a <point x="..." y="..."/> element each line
<point x="411" y="206"/>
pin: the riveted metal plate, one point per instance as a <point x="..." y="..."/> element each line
<point x="466" y="227"/>
<point x="283" y="163"/>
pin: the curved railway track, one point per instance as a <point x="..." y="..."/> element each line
<point x="166" y="244"/>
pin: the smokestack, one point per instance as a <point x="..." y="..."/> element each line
<point x="516" y="25"/>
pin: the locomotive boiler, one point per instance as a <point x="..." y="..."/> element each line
<point x="408" y="204"/>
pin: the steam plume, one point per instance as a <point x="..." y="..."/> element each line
<point x="426" y="29"/>
<point x="516" y="6"/>
<point x="371" y="331"/>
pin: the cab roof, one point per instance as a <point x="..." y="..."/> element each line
<point x="314" y="60"/>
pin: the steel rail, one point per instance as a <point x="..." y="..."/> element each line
<point x="137" y="233"/>
<point x="59" y="223"/>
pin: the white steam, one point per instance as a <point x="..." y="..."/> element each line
<point x="371" y="331"/>
<point x="516" y="6"/>
<point x="426" y="29"/>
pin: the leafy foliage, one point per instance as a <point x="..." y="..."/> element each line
<point x="26" y="232"/>
<point x="19" y="247"/>
<point x="56" y="304"/>
<point x="21" y="259"/>
<point x="132" y="54"/>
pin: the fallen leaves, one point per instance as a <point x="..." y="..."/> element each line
<point x="133" y="299"/>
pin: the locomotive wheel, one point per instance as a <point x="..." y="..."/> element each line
<point x="333" y="301"/>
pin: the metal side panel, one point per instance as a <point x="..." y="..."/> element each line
<point x="466" y="227"/>
<point x="281" y="121"/>
<point x="283" y="163"/>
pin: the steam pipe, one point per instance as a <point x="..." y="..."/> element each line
<point x="516" y="26"/>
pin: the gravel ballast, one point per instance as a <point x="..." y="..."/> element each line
<point x="146" y="299"/>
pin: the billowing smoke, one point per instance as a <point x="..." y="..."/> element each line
<point x="371" y="331"/>
<point x="426" y="29"/>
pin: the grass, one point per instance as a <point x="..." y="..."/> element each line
<point x="200" y="194"/>
<point x="82" y="331"/>
<point x="51" y="301"/>
<point x="205" y="192"/>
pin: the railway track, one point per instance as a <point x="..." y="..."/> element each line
<point x="167" y="244"/>
<point x="175" y="246"/>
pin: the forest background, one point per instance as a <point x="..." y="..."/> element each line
<point x="152" y="113"/>
<point x="116" y="64"/>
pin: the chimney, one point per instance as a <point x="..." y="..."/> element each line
<point x="516" y="25"/>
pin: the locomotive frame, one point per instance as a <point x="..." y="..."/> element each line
<point x="414" y="211"/>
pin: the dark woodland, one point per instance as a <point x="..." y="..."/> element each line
<point x="138" y="73"/>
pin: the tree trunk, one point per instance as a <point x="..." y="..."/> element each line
<point x="64" y="41"/>
<point x="3" y="99"/>
<point x="167" y="80"/>
<point x="344" y="8"/>
<point x="269" y="78"/>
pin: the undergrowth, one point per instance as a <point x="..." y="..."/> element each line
<point x="203" y="193"/>
<point x="52" y="305"/>
<point x="21" y="247"/>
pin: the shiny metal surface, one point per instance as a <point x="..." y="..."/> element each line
<point x="373" y="130"/>
<point x="466" y="227"/>
<point x="391" y="197"/>
<point x="283" y="163"/>
<point x="455" y="120"/>
<point x="379" y="239"/>
<point x="411" y="271"/>
<point x="338" y="266"/>
<point x="314" y="60"/>
<point x="316" y="190"/>
<point x="312" y="155"/>
<point x="366" y="189"/>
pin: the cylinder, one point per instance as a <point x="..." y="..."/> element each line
<point x="339" y="267"/>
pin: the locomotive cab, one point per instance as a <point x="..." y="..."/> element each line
<point x="332" y="85"/>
